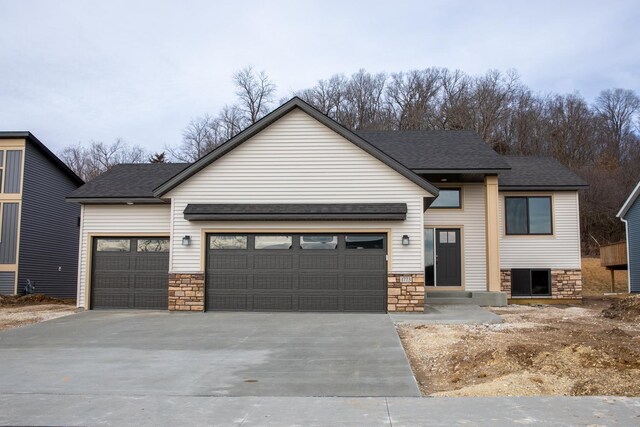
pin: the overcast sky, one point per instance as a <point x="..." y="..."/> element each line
<point x="76" y="71"/>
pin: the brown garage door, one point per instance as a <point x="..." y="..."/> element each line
<point x="296" y="272"/>
<point x="130" y="272"/>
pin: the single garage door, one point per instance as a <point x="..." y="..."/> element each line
<point x="130" y="272"/>
<point x="296" y="272"/>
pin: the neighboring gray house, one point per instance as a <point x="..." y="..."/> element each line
<point x="298" y="213"/>
<point x="630" y="215"/>
<point x="39" y="230"/>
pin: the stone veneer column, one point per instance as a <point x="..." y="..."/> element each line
<point x="565" y="284"/>
<point x="492" y="233"/>
<point x="186" y="292"/>
<point x="405" y="294"/>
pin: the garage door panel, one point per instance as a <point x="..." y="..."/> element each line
<point x="273" y="281"/>
<point x="319" y="302"/>
<point x="152" y="262"/>
<point x="273" y="302"/>
<point x="273" y="262"/>
<point x="150" y="301"/>
<point x="112" y="262"/>
<point x="155" y="282"/>
<point x="111" y="300"/>
<point x="318" y="262"/>
<point x="111" y="281"/>
<point x="297" y="277"/>
<point x="135" y="278"/>
<point x="219" y="261"/>
<point x="364" y="262"/>
<point x="227" y="302"/>
<point x="323" y="281"/>
<point x="227" y="281"/>
<point x="365" y="282"/>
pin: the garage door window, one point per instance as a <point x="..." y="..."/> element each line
<point x="274" y="242"/>
<point x="318" y="242"/>
<point x="228" y="242"/>
<point x="153" y="245"/>
<point x="364" y="241"/>
<point x="113" y="245"/>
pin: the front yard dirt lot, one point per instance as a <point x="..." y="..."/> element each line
<point x="24" y="310"/>
<point x="588" y="349"/>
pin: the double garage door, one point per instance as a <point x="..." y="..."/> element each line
<point x="247" y="272"/>
<point x="296" y="272"/>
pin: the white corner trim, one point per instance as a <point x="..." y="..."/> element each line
<point x="627" y="204"/>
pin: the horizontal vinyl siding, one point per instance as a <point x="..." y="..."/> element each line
<point x="472" y="219"/>
<point x="562" y="250"/>
<point x="633" y="231"/>
<point x="117" y="219"/>
<point x="299" y="160"/>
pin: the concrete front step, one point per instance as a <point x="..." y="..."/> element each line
<point x="494" y="299"/>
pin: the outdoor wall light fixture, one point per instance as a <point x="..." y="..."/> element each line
<point x="405" y="240"/>
<point x="186" y="241"/>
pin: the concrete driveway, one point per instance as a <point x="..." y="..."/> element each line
<point x="207" y="354"/>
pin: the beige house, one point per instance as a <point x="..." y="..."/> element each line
<point x="297" y="213"/>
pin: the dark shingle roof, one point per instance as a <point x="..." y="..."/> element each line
<point x="422" y="150"/>
<point x="533" y="172"/>
<point x="128" y="181"/>
<point x="436" y="150"/>
<point x="295" y="211"/>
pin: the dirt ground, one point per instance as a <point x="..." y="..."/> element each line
<point x="538" y="351"/>
<point x="19" y="311"/>
<point x="596" y="280"/>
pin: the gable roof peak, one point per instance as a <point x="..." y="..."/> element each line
<point x="271" y="118"/>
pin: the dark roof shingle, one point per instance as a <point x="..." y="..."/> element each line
<point x="533" y="172"/>
<point x="436" y="150"/>
<point x="418" y="150"/>
<point x="128" y="181"/>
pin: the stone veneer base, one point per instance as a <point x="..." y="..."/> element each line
<point x="186" y="292"/>
<point x="565" y="284"/>
<point x="405" y="295"/>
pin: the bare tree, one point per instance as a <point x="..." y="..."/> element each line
<point x="77" y="158"/>
<point x="328" y="96"/>
<point x="618" y="109"/>
<point x="365" y="102"/>
<point x="198" y="138"/>
<point x="572" y="130"/>
<point x="255" y="92"/>
<point x="230" y="122"/>
<point x="412" y="97"/>
<point x="454" y="105"/>
<point x="97" y="158"/>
